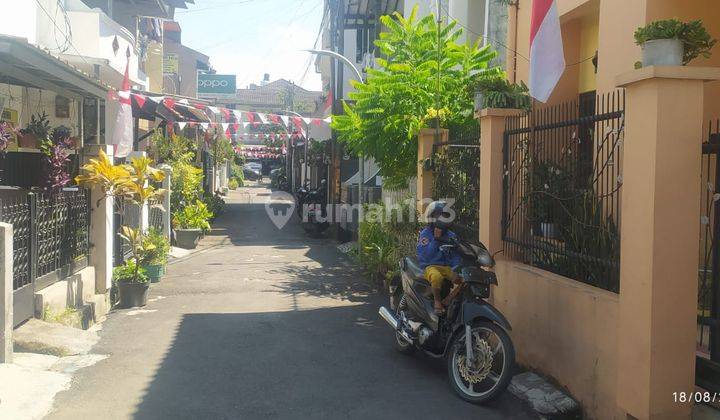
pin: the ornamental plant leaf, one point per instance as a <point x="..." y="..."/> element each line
<point x="399" y="97"/>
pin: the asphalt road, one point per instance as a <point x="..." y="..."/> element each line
<point x="266" y="324"/>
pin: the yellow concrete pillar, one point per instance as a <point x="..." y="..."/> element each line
<point x="492" y="130"/>
<point x="426" y="139"/>
<point x="659" y="238"/>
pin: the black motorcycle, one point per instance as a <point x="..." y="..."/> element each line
<point x="312" y="209"/>
<point x="471" y="335"/>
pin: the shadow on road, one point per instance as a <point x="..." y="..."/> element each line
<point x="296" y="365"/>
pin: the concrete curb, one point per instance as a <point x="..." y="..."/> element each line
<point x="544" y="398"/>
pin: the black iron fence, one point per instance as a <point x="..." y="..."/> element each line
<point x="562" y="188"/>
<point x="708" y="316"/>
<point x="51" y="239"/>
<point x="51" y="232"/>
<point x="456" y="169"/>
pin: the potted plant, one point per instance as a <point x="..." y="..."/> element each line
<point x="672" y="42"/>
<point x="132" y="277"/>
<point x="498" y="92"/>
<point x="156" y="253"/>
<point x="190" y="224"/>
<point x="132" y="284"/>
<point x="127" y="183"/>
<point x="37" y="130"/>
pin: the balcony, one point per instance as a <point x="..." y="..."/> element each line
<point x="100" y="46"/>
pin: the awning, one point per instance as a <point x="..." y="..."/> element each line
<point x="24" y="64"/>
<point x="168" y="107"/>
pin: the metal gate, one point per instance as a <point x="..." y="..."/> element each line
<point x="707" y="371"/>
<point x="51" y="237"/>
<point x="456" y="168"/>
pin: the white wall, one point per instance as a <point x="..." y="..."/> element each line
<point x="350" y="52"/>
<point x="19" y="19"/>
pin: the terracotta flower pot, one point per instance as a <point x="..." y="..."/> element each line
<point x="28" y="141"/>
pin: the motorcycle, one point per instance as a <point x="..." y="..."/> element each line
<point x="471" y="334"/>
<point x="311" y="208"/>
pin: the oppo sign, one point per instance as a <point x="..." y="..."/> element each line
<point x="216" y="83"/>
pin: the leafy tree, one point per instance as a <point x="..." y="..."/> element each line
<point x="399" y="97"/>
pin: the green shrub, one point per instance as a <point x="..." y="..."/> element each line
<point x="186" y="184"/>
<point x="193" y="216"/>
<point x="172" y="148"/>
<point x="233" y="184"/>
<point x="214" y="203"/>
<point x="500" y="93"/>
<point x="158" y="253"/>
<point x="126" y="273"/>
<point x="386" y="235"/>
<point x="695" y="38"/>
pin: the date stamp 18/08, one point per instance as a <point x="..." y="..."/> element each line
<point x="696" y="397"/>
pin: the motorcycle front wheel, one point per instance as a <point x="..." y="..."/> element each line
<point x="490" y="371"/>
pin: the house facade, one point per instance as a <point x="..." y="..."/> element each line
<point x="59" y="61"/>
<point x="610" y="285"/>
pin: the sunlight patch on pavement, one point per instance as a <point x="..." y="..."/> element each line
<point x="29" y="385"/>
<point x="140" y="312"/>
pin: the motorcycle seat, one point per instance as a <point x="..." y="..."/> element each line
<point x="413" y="268"/>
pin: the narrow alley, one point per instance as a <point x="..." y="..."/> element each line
<point x="265" y="323"/>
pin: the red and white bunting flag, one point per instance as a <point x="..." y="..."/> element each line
<point x="263" y="118"/>
<point x="205" y="126"/>
<point x="327" y="107"/>
<point x="238" y="114"/>
<point x="181" y="125"/>
<point x="274" y="118"/>
<point x="169" y="103"/>
<point x="225" y="126"/>
<point x="122" y="138"/>
<point x="139" y="99"/>
<point x="226" y="113"/>
<point x="286" y="120"/>
<point x="547" y="59"/>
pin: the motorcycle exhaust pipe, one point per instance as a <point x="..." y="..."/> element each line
<point x="389" y="317"/>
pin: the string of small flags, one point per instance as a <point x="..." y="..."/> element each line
<point x="229" y="119"/>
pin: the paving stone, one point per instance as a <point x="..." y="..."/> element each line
<point x="548" y="401"/>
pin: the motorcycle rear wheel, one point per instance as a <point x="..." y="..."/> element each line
<point x="500" y="368"/>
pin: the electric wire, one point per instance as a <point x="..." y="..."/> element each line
<point x="58" y="28"/>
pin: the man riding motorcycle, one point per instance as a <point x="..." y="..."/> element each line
<point x="437" y="262"/>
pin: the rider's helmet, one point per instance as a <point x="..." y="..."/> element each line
<point x="438" y="216"/>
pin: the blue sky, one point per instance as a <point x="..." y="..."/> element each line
<point x="252" y="37"/>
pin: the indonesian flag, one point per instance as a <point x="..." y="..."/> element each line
<point x="547" y="60"/>
<point x="122" y="138"/>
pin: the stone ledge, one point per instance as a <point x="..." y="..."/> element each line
<point x="705" y="74"/>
